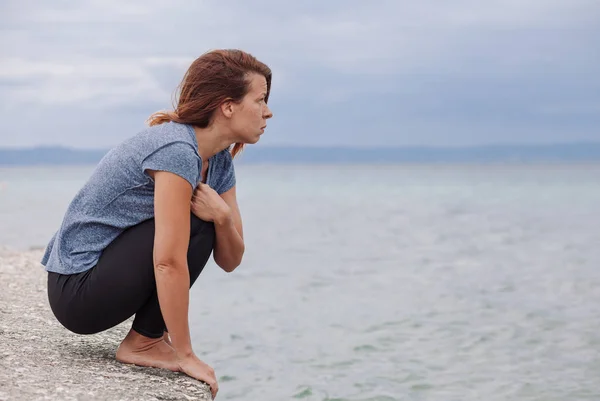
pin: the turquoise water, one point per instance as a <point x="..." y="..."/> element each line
<point x="403" y="282"/>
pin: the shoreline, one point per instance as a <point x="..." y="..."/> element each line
<point x="41" y="360"/>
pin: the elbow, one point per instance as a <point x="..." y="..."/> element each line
<point x="168" y="264"/>
<point x="165" y="270"/>
<point x="229" y="268"/>
<point x="230" y="263"/>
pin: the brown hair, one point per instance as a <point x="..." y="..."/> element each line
<point x="213" y="78"/>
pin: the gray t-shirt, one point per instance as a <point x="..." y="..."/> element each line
<point x="120" y="194"/>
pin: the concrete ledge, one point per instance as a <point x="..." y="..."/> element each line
<point x="41" y="360"/>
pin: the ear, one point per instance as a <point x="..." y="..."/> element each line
<point x="227" y="108"/>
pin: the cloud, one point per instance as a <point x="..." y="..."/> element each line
<point x="438" y="66"/>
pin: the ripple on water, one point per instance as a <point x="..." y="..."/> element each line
<point x="365" y="348"/>
<point x="339" y="364"/>
<point x="304" y="393"/>
<point x="385" y="326"/>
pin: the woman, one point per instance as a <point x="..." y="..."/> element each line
<point x="139" y="232"/>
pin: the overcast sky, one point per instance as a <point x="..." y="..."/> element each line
<point x="355" y="73"/>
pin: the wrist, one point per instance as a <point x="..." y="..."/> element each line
<point x="223" y="217"/>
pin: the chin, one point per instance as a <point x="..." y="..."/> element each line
<point x="250" y="139"/>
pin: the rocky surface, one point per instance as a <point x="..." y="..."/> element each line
<point x="41" y="360"/>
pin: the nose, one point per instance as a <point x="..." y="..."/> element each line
<point x="267" y="113"/>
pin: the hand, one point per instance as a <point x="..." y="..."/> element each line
<point x="208" y="205"/>
<point x="194" y="367"/>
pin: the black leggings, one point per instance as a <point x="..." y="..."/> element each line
<point x="122" y="283"/>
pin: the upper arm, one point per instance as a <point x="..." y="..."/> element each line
<point x="172" y="195"/>
<point x="174" y="169"/>
<point x="231" y="199"/>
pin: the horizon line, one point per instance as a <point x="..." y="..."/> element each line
<point x="344" y="147"/>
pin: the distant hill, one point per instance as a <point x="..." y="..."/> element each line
<point x="49" y="155"/>
<point x="570" y="152"/>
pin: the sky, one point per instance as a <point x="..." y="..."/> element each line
<point x="87" y="74"/>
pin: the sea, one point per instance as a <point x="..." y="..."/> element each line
<point x="387" y="282"/>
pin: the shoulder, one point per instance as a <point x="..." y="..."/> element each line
<point x="165" y="133"/>
<point x="164" y="138"/>
<point x="160" y="141"/>
<point x="169" y="147"/>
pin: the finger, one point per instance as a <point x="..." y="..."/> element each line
<point x="214" y="389"/>
<point x="212" y="385"/>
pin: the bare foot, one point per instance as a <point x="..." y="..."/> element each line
<point x="143" y="351"/>
<point x="167" y="338"/>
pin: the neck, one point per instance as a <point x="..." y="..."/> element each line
<point x="211" y="140"/>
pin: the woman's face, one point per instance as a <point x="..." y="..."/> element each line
<point x="249" y="117"/>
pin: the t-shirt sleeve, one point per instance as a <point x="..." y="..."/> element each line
<point x="178" y="158"/>
<point x="227" y="176"/>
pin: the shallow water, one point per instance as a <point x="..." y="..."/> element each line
<point x="385" y="283"/>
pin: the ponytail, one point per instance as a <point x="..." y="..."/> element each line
<point x="162" y="117"/>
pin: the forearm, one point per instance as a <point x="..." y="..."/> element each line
<point x="172" y="285"/>
<point x="229" y="245"/>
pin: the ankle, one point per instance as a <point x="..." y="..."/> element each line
<point x="138" y="341"/>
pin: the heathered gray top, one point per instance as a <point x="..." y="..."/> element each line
<point x="120" y="194"/>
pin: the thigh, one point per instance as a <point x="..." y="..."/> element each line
<point x="124" y="274"/>
<point x="123" y="279"/>
<point x="119" y="284"/>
